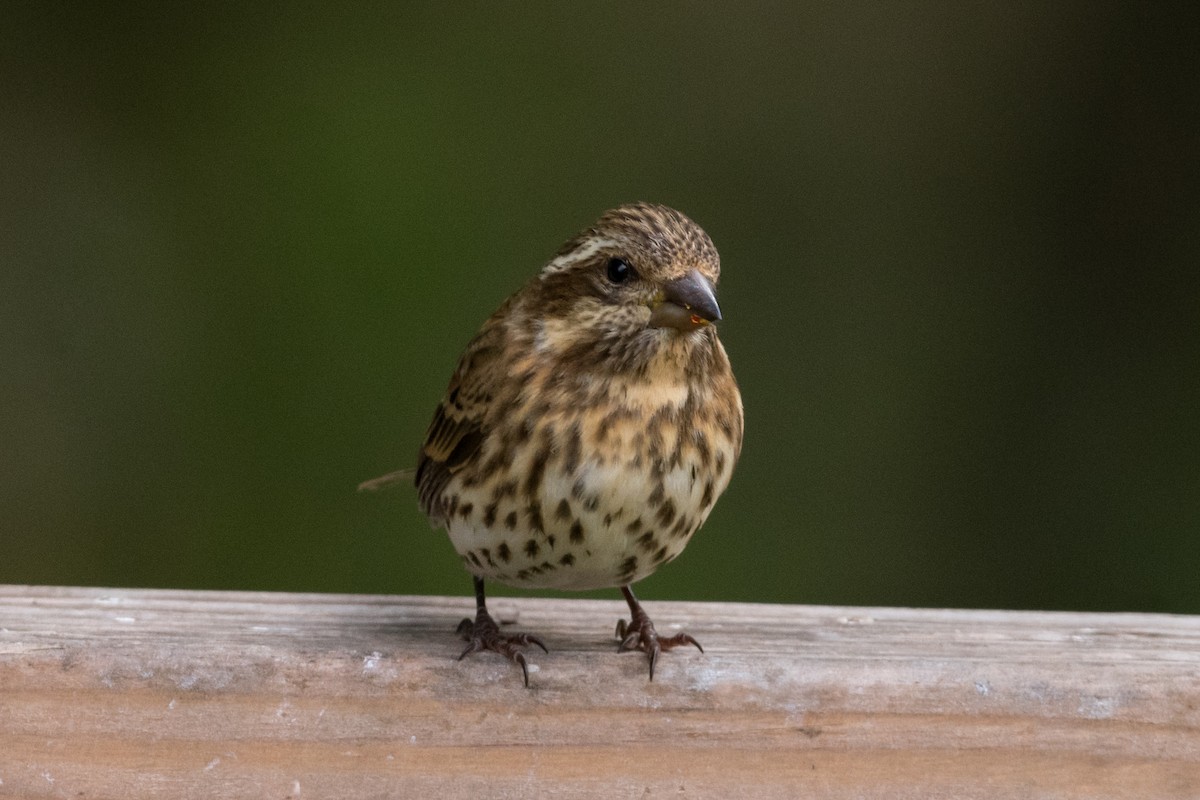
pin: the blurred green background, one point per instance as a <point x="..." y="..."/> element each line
<point x="242" y="247"/>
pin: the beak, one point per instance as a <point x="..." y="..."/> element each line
<point x="686" y="304"/>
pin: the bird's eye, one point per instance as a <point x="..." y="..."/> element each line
<point x="619" y="270"/>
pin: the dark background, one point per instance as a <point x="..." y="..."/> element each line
<point x="242" y="248"/>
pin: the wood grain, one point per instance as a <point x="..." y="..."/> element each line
<point x="118" y="693"/>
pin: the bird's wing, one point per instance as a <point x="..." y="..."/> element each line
<point x="459" y="425"/>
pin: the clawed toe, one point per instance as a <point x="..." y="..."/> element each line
<point x="639" y="634"/>
<point x="482" y="633"/>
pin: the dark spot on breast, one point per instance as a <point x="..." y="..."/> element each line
<point x="465" y="510"/>
<point x="532" y="548"/>
<point x="707" y="498"/>
<point x="592" y="503"/>
<point x="503" y="552"/>
<point x="634" y="526"/>
<point x="535" y="517"/>
<point x="677" y="454"/>
<point x="577" y="489"/>
<point x="666" y="513"/>
<point x="720" y="463"/>
<point x="647" y="541"/>
<point x="537" y="468"/>
<point x="487" y="556"/>
<point x="656" y="496"/>
<point x="572" y="450"/>
<point x="474" y="558"/>
<point x="510" y="521"/>
<point x="680" y="527"/>
<point x="500" y="462"/>
<point x="550" y="541"/>
<point x="567" y="560"/>
<point x="563" y="512"/>
<point x="505" y="489"/>
<point x="489" y="515"/>
<point x="660" y="556"/>
<point x="576" y="532"/>
<point x="702" y="448"/>
<point x="523" y="575"/>
<point x="617" y="414"/>
<point x="629" y="567"/>
<point x="654" y="434"/>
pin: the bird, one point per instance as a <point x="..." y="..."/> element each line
<point x="589" y="426"/>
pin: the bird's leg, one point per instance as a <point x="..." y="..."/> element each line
<point x="639" y="633"/>
<point x="483" y="633"/>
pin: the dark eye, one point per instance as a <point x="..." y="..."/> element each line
<point x="619" y="270"/>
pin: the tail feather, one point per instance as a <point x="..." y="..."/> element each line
<point x="388" y="481"/>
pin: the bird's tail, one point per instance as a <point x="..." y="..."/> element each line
<point x="388" y="481"/>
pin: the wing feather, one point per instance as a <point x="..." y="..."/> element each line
<point x="460" y="424"/>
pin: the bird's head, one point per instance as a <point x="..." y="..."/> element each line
<point x="642" y="274"/>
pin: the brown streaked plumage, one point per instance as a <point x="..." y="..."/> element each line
<point x="591" y="424"/>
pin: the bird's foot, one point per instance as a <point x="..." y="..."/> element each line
<point x="483" y="633"/>
<point x="639" y="634"/>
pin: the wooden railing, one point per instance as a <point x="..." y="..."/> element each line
<point x="116" y="693"/>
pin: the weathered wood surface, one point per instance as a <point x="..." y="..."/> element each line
<point x="114" y="693"/>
